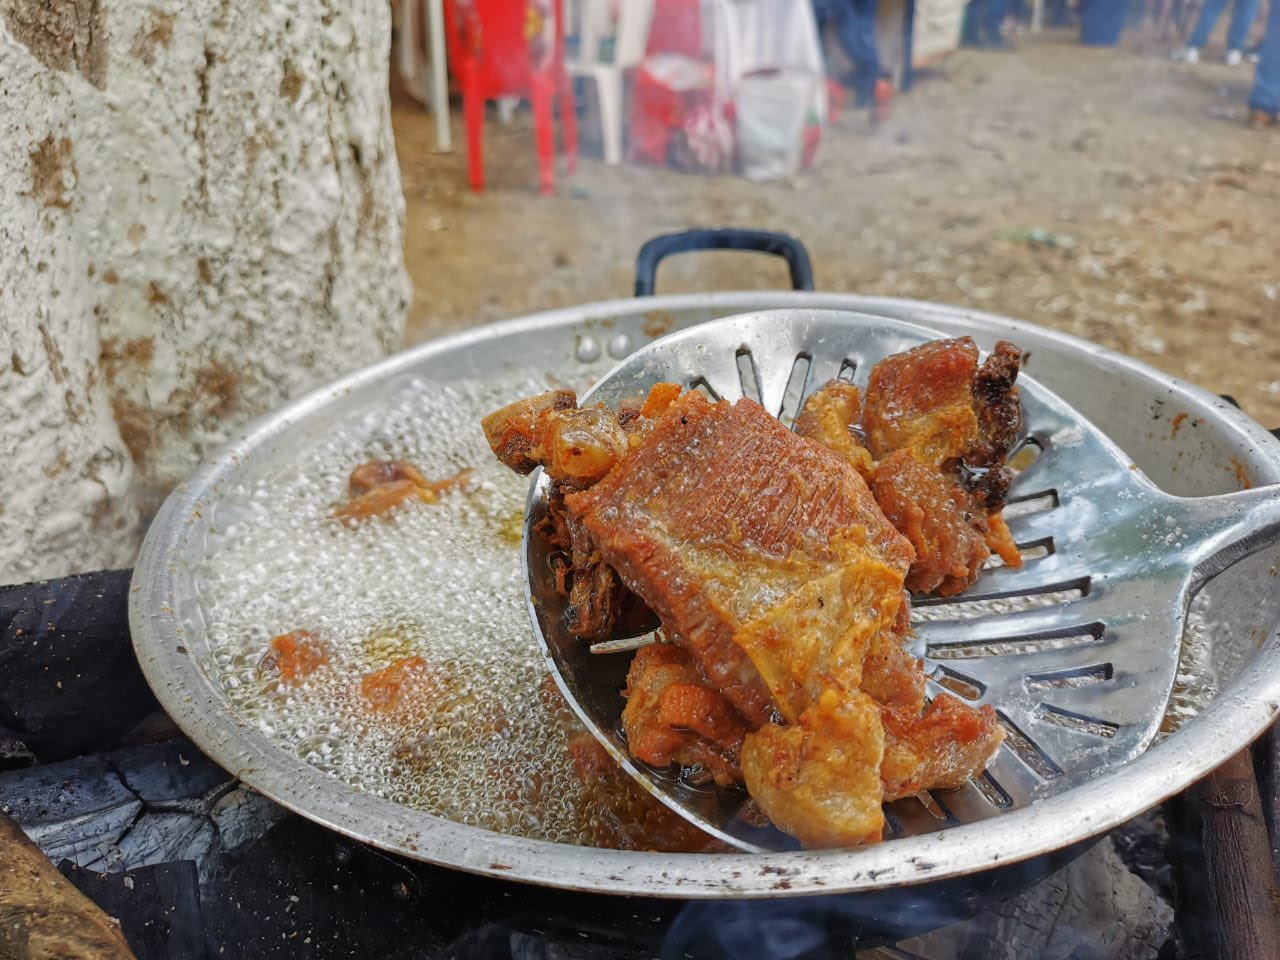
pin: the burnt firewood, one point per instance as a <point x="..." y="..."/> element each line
<point x="69" y="683"/>
<point x="1243" y="894"/>
<point x="1267" y="756"/>
<point x="158" y="907"/>
<point x="42" y="915"/>
<point x="73" y="810"/>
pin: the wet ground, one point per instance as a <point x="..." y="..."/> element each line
<point x="1108" y="193"/>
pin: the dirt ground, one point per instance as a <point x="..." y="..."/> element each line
<point x="1109" y="193"/>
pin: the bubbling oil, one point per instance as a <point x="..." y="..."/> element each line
<point x="441" y="581"/>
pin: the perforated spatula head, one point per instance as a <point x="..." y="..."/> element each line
<point x="1077" y="649"/>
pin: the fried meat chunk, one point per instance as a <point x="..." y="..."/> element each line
<point x="828" y="417"/>
<point x="672" y="716"/>
<point x="819" y="779"/>
<point x="764" y="555"/>
<point x="940" y="427"/>
<point x="515" y="431"/>
<point x="938" y="749"/>
<point x="938" y="517"/>
<point x="377" y="487"/>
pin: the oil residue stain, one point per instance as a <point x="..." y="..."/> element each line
<point x="1239" y="471"/>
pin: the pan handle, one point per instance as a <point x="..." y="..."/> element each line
<point x="728" y="238"/>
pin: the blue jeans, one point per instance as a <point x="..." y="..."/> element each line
<point x="984" y="19"/>
<point x="1266" y="83"/>
<point x="854" y="22"/>
<point x="1242" y="17"/>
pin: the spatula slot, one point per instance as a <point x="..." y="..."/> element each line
<point x="990" y="788"/>
<point x="1024" y="454"/>
<point x="937" y="809"/>
<point x="955" y="682"/>
<point x="1028" y="751"/>
<point x="1076" y="722"/>
<point x="748" y="375"/>
<point x="1066" y="639"/>
<point x="797" y="387"/>
<point x="1070" y="679"/>
<point x="1031" y="550"/>
<point x="983" y="604"/>
<point x="701" y="385"/>
<point x="1021" y="506"/>
<point x="848" y="368"/>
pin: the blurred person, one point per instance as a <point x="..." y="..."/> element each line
<point x="983" y="21"/>
<point x="1243" y="13"/>
<point x="1264" y="100"/>
<point x="854" y="24"/>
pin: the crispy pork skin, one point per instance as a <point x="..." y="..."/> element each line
<point x="819" y="779"/>
<point x="763" y="554"/>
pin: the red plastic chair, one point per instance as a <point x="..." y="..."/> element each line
<point x="491" y="48"/>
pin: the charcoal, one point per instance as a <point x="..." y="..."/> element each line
<point x="172" y="775"/>
<point x="303" y="892"/>
<point x="69" y="683"/>
<point x="163" y="837"/>
<point x="74" y="810"/>
<point x="243" y="816"/>
<point x="158" y="907"/>
<point x="14" y="753"/>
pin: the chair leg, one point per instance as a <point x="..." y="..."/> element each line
<point x="473" y="117"/>
<point x="609" y="96"/>
<point x="569" y="122"/>
<point x="542" y="93"/>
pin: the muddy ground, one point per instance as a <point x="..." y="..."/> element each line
<point x="1109" y="193"/>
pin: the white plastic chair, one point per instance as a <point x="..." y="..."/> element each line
<point x="592" y="18"/>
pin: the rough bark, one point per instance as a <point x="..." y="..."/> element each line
<point x="64" y="473"/>
<point x="44" y="917"/>
<point x="208" y="223"/>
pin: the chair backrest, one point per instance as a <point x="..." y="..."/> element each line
<point x="592" y="21"/>
<point x="495" y="33"/>
<point x="675" y="27"/>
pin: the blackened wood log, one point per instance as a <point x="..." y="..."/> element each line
<point x="1244" y="901"/>
<point x="69" y="683"/>
<point x="1266" y="758"/>
<point x="42" y="915"/>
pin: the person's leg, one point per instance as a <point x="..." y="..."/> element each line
<point x="1242" y="17"/>
<point x="1265" y="97"/>
<point x="1208" y="19"/>
<point x="973" y="19"/>
<point x="855" y="23"/>
<point x="996" y="11"/>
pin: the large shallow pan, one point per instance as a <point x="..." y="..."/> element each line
<point x="1138" y="406"/>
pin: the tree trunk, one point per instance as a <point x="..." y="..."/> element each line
<point x="65" y="475"/>
<point x="209" y="224"/>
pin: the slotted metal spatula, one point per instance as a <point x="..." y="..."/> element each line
<point x="1077" y="650"/>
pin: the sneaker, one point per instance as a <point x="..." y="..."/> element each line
<point x="1234" y="58"/>
<point x="1187" y="55"/>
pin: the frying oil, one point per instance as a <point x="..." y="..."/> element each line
<point x="475" y="742"/>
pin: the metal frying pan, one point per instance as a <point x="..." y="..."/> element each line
<point x="1137" y="406"/>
